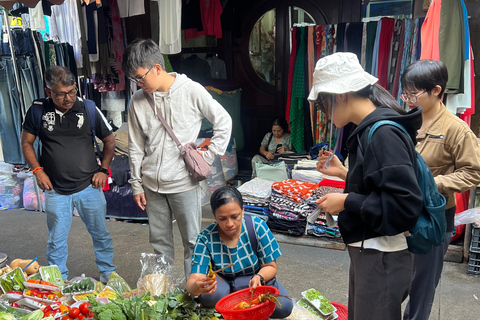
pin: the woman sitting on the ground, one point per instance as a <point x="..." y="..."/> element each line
<point x="275" y="142"/>
<point x="229" y="240"/>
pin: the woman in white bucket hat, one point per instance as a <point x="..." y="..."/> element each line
<point x="382" y="199"/>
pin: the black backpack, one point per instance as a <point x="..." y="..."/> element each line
<point x="37" y="113"/>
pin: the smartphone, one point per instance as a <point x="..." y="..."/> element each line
<point x="278" y="146"/>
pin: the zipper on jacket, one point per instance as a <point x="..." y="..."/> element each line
<point x="436" y="137"/>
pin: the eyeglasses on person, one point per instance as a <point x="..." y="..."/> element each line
<point x="141" y="80"/>
<point x="62" y="95"/>
<point x="411" y="98"/>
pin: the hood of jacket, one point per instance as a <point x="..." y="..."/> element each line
<point x="412" y="121"/>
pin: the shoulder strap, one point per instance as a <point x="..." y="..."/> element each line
<point x="251" y="233"/>
<point x="162" y="120"/>
<point x="92" y="117"/>
<point x="381" y="123"/>
<point x="37" y="113"/>
<point x="269" y="140"/>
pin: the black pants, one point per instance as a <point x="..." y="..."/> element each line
<point x="378" y="283"/>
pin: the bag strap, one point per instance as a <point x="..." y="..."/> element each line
<point x="162" y="120"/>
<point x="37" y="113"/>
<point x="92" y="117"/>
<point x="251" y="233"/>
<point x="381" y="123"/>
<point x="269" y="140"/>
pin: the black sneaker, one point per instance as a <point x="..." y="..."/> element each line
<point x="3" y="259"/>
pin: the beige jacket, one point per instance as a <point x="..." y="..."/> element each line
<point x="450" y="149"/>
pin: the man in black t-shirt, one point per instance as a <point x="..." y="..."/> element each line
<point x="68" y="170"/>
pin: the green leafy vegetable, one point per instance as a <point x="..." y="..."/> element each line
<point x="35" y="315"/>
<point x="53" y="275"/>
<point x="109" y="311"/>
<point x="6" y="316"/>
<point x="118" y="284"/>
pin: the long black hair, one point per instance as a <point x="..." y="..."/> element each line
<point x="224" y="195"/>
<point x="380" y="97"/>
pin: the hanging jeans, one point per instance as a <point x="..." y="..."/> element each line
<point x="10" y="119"/>
<point x="29" y="73"/>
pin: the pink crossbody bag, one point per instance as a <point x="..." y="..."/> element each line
<point x="198" y="168"/>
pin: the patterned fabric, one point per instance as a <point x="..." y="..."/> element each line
<point x="297" y="120"/>
<point x="210" y="248"/>
<point x="406" y="53"/>
<point x="293" y="189"/>
<point x="256" y="188"/>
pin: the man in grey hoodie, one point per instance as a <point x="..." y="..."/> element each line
<point x="160" y="181"/>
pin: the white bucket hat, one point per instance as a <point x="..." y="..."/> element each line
<point x="339" y="73"/>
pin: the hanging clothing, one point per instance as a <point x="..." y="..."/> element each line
<point x="170" y="15"/>
<point x="210" y="10"/>
<point x="384" y="50"/>
<point x="298" y="97"/>
<point x="130" y="8"/>
<point x="65" y="20"/>
<point x="291" y="68"/>
<point x="191" y="17"/>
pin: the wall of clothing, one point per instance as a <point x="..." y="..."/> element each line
<point x="384" y="48"/>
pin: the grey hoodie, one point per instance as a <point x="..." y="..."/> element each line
<point x="155" y="161"/>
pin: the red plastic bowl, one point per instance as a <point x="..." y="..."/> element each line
<point x="259" y="312"/>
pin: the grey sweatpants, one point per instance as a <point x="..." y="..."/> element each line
<point x="186" y="208"/>
<point x="427" y="269"/>
<point x="378" y="283"/>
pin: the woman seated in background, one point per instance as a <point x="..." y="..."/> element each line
<point x="275" y="142"/>
<point x="229" y="240"/>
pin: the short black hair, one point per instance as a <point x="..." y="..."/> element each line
<point x="141" y="53"/>
<point x="281" y="122"/>
<point x="224" y="195"/>
<point x="58" y="74"/>
<point x="425" y="75"/>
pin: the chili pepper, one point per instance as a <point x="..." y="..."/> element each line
<point x="241" y="305"/>
<point x="211" y="275"/>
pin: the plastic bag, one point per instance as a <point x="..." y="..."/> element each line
<point x="118" y="284"/>
<point x="157" y="274"/>
<point x="30" y="201"/>
<point x="467" y="216"/>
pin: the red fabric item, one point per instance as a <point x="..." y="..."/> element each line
<point x="386" y="34"/>
<point x="466" y="116"/>
<point x="291" y="68"/>
<point x="210" y="10"/>
<point x="462" y="205"/>
<point x="294" y="190"/>
<point x="332" y="183"/>
<point x="106" y="187"/>
<point x="429" y="34"/>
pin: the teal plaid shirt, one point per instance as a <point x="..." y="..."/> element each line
<point x="209" y="247"/>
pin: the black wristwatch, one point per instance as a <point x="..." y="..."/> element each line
<point x="103" y="170"/>
<point x="262" y="280"/>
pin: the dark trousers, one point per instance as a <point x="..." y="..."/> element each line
<point x="427" y="269"/>
<point x="225" y="288"/>
<point x="378" y="283"/>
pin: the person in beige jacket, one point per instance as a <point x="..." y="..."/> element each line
<point x="450" y="149"/>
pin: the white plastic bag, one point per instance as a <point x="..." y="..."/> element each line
<point x="157" y="275"/>
<point x="30" y="201"/>
<point x="467" y="216"/>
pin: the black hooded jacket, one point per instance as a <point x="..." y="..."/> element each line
<point x="384" y="198"/>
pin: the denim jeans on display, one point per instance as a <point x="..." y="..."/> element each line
<point x="28" y="87"/>
<point x="91" y="206"/>
<point x="10" y="119"/>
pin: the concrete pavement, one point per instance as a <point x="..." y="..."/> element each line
<point x="23" y="234"/>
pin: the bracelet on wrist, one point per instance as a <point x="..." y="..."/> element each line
<point x="37" y="169"/>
